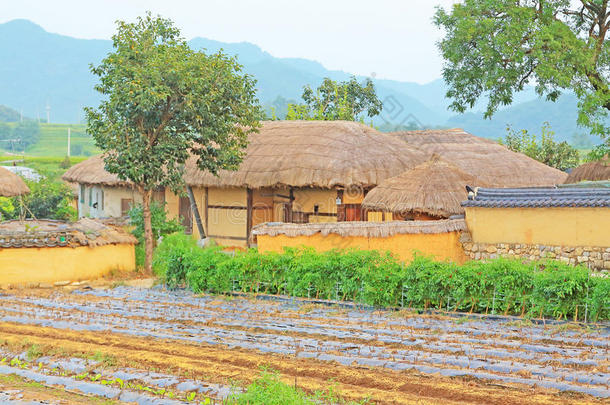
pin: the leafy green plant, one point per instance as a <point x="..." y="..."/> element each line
<point x="48" y="199"/>
<point x="559" y="155"/>
<point x="501" y="286"/>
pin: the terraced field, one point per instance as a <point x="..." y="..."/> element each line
<point x="130" y="344"/>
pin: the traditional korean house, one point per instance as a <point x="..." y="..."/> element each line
<point x="293" y="171"/>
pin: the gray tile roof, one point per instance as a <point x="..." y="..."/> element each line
<point x="539" y="197"/>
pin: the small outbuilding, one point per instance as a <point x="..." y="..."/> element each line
<point x="11" y="185"/>
<point x="592" y="171"/>
<point x="432" y="190"/>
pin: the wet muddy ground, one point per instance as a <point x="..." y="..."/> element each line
<point x="157" y="346"/>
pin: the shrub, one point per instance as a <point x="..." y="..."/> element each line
<point x="544" y="288"/>
<point x="47" y="199"/>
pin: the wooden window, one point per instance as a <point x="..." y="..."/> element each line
<point x="90" y="196"/>
<point x="83" y="189"/>
<point x="126" y="204"/>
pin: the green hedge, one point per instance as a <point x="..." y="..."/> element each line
<point x="545" y="288"/>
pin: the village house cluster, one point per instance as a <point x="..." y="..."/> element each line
<point x="344" y="184"/>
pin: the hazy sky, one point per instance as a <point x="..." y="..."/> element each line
<point x="395" y="39"/>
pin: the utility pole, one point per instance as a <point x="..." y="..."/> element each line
<point x="68" y="141"/>
<point x="48" y="108"/>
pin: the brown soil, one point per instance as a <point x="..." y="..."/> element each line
<point x="222" y="365"/>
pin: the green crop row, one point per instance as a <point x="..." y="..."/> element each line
<point x="502" y="286"/>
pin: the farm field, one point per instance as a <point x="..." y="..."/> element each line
<point x="54" y="142"/>
<point x="131" y="344"/>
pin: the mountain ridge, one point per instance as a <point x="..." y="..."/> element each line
<point x="47" y="69"/>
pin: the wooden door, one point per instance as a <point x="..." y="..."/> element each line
<point x="353" y="212"/>
<point x="186" y="214"/>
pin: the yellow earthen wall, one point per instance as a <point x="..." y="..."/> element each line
<point x="541" y="226"/>
<point x="48" y="265"/>
<point x="306" y="198"/>
<point x="444" y="246"/>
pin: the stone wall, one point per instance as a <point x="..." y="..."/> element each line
<point x="596" y="258"/>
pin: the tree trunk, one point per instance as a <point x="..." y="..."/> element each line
<point x="148" y="233"/>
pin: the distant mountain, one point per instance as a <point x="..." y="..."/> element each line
<point x="41" y="69"/>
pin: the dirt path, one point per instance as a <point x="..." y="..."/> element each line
<point x="385" y="357"/>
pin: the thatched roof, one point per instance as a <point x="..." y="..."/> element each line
<point x="91" y="171"/>
<point x="364" y="229"/>
<point x="315" y="153"/>
<point x="490" y="162"/>
<point x="592" y="171"/>
<point x="49" y="233"/>
<point x="435" y="188"/>
<point x="298" y="154"/>
<point x="11" y="185"/>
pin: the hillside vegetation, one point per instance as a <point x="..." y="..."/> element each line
<point x="53" y="142"/>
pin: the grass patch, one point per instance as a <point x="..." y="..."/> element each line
<point x="268" y="389"/>
<point x="34" y="352"/>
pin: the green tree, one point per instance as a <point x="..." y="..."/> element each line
<point x="164" y="102"/>
<point x="559" y="155"/>
<point x="47" y="199"/>
<point x="346" y="100"/>
<point x="495" y="47"/>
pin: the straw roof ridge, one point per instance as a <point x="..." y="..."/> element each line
<point x="435" y="188"/>
<point x="361" y="229"/>
<point x="11" y="185"/>
<point x="294" y="153"/>
<point x="490" y="162"/>
<point x="92" y="171"/>
<point x="591" y="171"/>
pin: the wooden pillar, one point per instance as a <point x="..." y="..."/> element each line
<point x="340" y="207"/>
<point x="205" y="210"/>
<point x="249" y="216"/>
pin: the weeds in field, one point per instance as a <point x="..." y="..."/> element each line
<point x="501" y="286"/>
<point x="34" y="352"/>
<point x="268" y="389"/>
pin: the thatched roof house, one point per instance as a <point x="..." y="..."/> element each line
<point x="11" y="185"/>
<point x="435" y="188"/>
<point x="490" y="162"/>
<point x="293" y="171"/>
<point x="293" y="153"/>
<point x="592" y="171"/>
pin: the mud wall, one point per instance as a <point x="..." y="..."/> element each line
<point x="23" y="266"/>
<point x="441" y="246"/>
<point x="565" y="226"/>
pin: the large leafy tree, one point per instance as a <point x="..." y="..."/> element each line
<point x="495" y="47"/>
<point x="163" y="102"/>
<point x="332" y="100"/>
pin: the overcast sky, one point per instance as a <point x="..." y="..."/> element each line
<point x="394" y="39"/>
